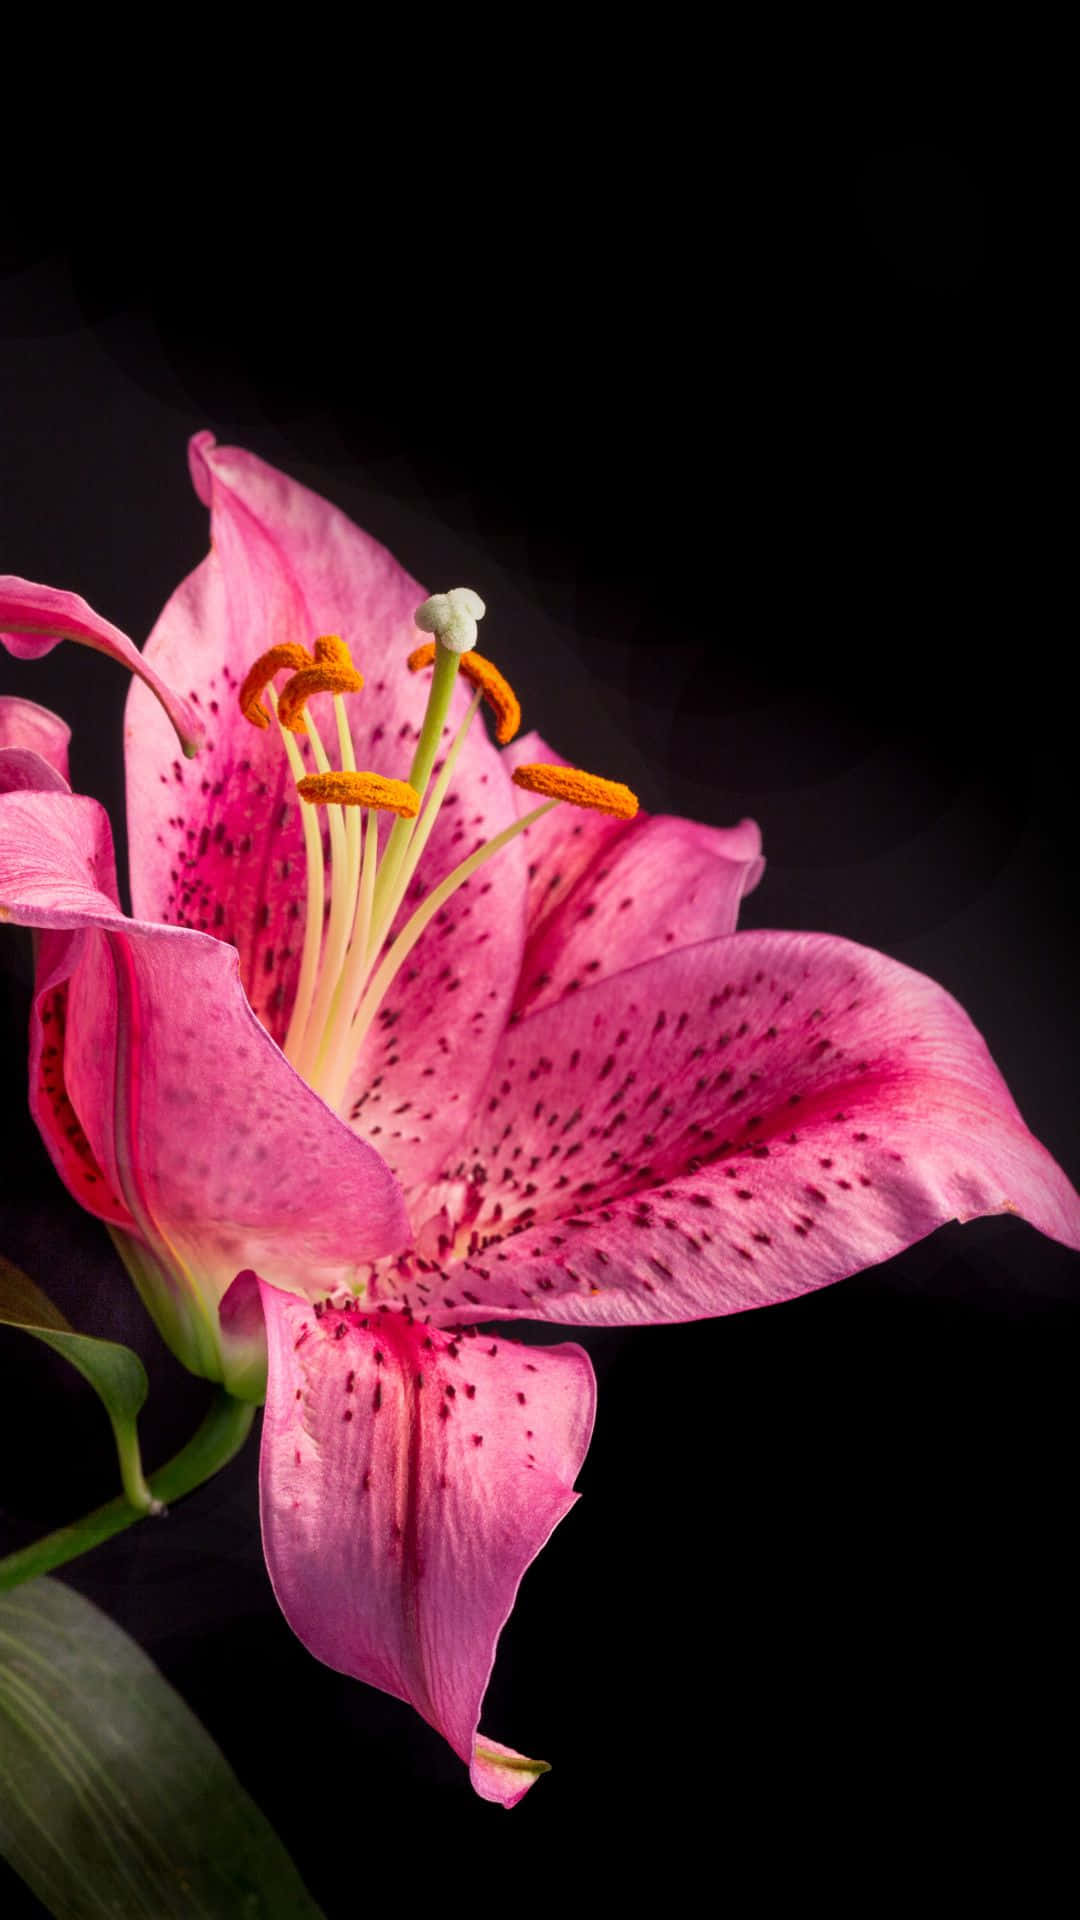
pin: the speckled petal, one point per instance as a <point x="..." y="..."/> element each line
<point x="409" y="1476"/>
<point x="729" y="1126"/>
<point x="606" y="894"/>
<point x="217" y="844"/>
<point x="199" y="1132"/>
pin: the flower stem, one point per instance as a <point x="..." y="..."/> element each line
<point x="210" y="1448"/>
<point x="132" y="1478"/>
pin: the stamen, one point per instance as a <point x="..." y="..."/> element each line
<point x="355" y="970"/>
<point x="498" y="692"/>
<point x="348" y="963"/>
<point x="580" y="789"/>
<point x="348" y="765"/>
<point x="360" y="790"/>
<point x="330" y="651"/>
<point x="258" y="676"/>
<point x="333" y="672"/>
<point x="341" y="896"/>
<point x="341" y="1067"/>
<point x="313" y="916"/>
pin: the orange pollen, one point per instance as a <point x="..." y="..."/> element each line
<point x="330" y="651"/>
<point x="333" y="672"/>
<point x="360" y="790"/>
<point x="580" y="789"/>
<point x="290" y="654"/>
<point x="498" y="692"/>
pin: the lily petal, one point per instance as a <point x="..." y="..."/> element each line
<point x="34" y="618"/>
<point x="729" y="1126"/>
<point x="27" y="728"/>
<point x="203" y="1139"/>
<point x="606" y="894"/>
<point x="218" y="845"/>
<point x="409" y="1477"/>
<point x="659" y="884"/>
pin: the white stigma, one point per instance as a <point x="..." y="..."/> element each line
<point x="452" y="618"/>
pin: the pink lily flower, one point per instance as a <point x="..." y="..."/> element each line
<point x="333" y="1127"/>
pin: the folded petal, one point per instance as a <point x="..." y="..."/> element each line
<point x="606" y="894"/>
<point x="728" y="1126"/>
<point x="27" y="728"/>
<point x="409" y="1476"/>
<point x="217" y="845"/>
<point x="203" y="1139"/>
<point x="23" y="769"/>
<point x="34" y="618"/>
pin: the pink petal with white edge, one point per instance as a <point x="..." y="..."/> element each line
<point x="218" y="845"/>
<point x="726" y="1127"/>
<point x="606" y="894"/>
<point x="33" y="619"/>
<point x="196" y="1122"/>
<point x="27" y="728"/>
<point x="409" y="1477"/>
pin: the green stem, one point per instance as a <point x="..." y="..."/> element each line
<point x="210" y="1448"/>
<point x="132" y="1477"/>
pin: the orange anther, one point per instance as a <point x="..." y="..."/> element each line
<point x="498" y="692"/>
<point x="289" y="654"/>
<point x="360" y="790"/>
<point x="330" y="651"/>
<point x="333" y="672"/>
<point x="580" y="789"/>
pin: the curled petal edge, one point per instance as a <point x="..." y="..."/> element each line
<point x="35" y="618"/>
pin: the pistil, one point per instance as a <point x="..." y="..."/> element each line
<point x="427" y="747"/>
<point x="346" y="969"/>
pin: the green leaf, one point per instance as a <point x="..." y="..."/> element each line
<point x="113" y="1797"/>
<point x="114" y="1372"/>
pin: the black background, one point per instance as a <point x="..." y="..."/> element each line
<point x="737" y="445"/>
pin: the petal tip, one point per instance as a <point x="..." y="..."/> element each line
<point x="199" y="446"/>
<point x="500" y="1774"/>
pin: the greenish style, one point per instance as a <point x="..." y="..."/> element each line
<point x="423" y="760"/>
<point x="113" y="1797"/>
<point x="116" y="1374"/>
